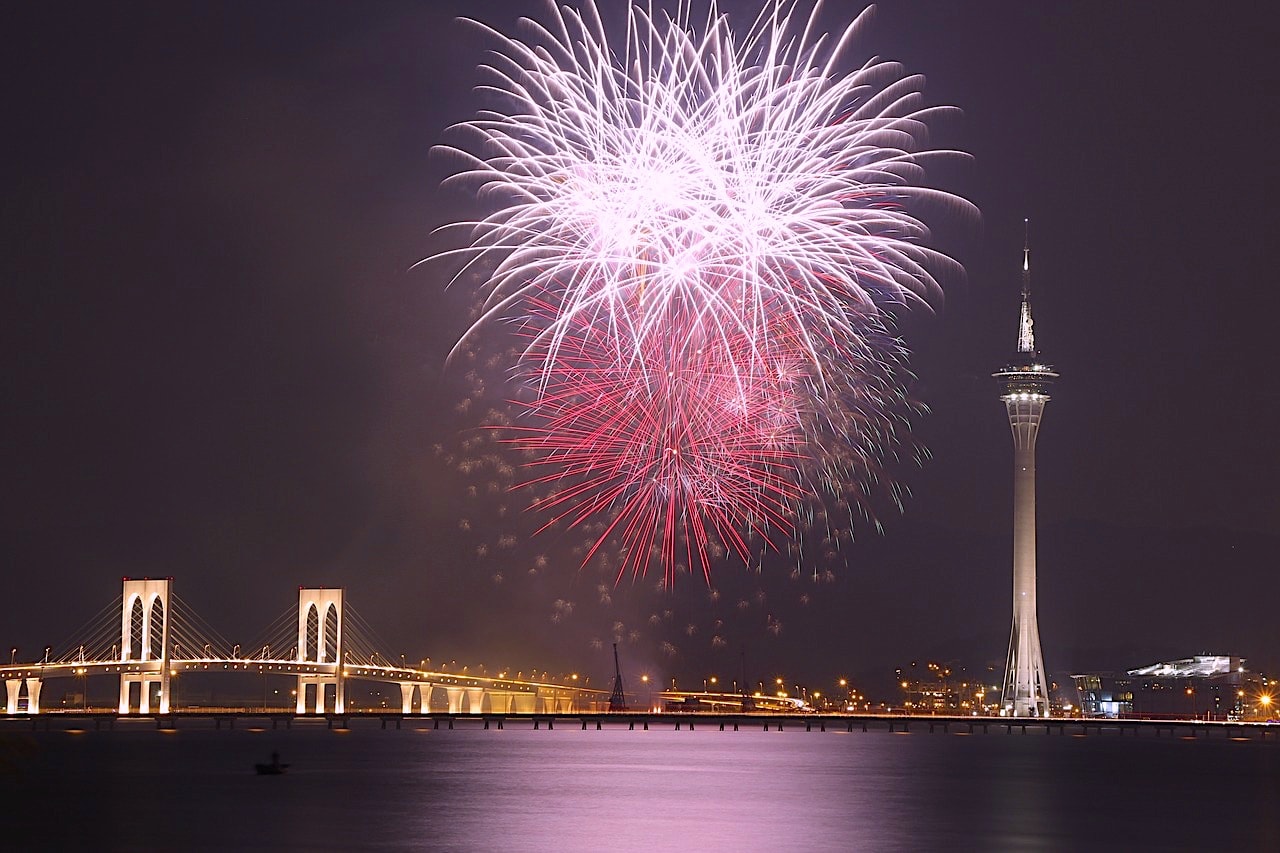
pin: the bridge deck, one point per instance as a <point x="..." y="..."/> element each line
<point x="642" y="721"/>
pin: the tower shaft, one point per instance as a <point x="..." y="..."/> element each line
<point x="1025" y="684"/>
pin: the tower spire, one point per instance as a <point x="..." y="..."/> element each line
<point x="618" y="698"/>
<point x="1026" y="330"/>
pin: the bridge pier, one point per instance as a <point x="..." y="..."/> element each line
<point x="33" y="695"/>
<point x="475" y="700"/>
<point x="13" y="687"/>
<point x="145" y="681"/>
<point x="455" y="699"/>
<point x="510" y="702"/>
<point x="524" y="703"/>
<point x="318" y="703"/>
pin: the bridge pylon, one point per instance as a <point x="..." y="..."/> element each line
<point x="320" y="640"/>
<point x="145" y="614"/>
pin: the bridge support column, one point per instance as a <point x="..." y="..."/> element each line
<point x="33" y="696"/>
<point x="424" y="697"/>
<point x="524" y="703"/>
<point x="317" y="704"/>
<point x="553" y="702"/>
<point x="406" y="697"/>
<point x="475" y="700"/>
<point x="13" y="686"/>
<point x="506" y="702"/>
<point x="455" y="699"/>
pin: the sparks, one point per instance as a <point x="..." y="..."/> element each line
<point x="700" y="242"/>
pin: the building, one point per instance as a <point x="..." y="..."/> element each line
<point x="1024" y="383"/>
<point x="948" y="689"/>
<point x="1206" y="687"/>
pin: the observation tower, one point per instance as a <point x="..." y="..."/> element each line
<point x="1024" y="384"/>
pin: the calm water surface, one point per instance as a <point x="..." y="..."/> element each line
<point x="569" y="790"/>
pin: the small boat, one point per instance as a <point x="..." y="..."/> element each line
<point x="275" y="768"/>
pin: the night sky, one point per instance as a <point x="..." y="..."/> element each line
<point x="221" y="366"/>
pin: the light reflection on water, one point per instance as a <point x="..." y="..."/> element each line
<point x="568" y="790"/>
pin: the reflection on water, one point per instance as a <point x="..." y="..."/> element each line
<point x="567" y="790"/>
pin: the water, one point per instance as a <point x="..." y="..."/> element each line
<point x="137" y="788"/>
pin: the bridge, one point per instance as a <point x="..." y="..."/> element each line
<point x="160" y="637"/>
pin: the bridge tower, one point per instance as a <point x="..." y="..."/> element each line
<point x="144" y="624"/>
<point x="1024" y="384"/>
<point x="320" y="640"/>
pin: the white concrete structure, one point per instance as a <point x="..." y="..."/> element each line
<point x="145" y="611"/>
<point x="1024" y="382"/>
<point x="13" y="690"/>
<point x="406" y="696"/>
<point x="320" y="641"/>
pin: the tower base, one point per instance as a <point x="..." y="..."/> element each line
<point x="1025" y="691"/>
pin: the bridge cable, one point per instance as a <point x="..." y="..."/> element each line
<point x="282" y="633"/>
<point x="96" y="637"/>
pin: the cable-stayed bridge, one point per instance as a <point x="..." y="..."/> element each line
<point x="149" y="636"/>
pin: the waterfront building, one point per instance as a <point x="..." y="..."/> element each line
<point x="1206" y="687"/>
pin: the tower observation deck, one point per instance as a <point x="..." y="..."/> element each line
<point x="1024" y="384"/>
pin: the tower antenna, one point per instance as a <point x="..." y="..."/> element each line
<point x="1026" y="257"/>
<point x="1026" y="328"/>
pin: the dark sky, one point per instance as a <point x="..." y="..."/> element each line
<point x="220" y="367"/>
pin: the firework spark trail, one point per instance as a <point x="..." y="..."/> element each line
<point x="691" y="453"/>
<point x="699" y="242"/>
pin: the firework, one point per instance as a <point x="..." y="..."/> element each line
<point x="699" y="240"/>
